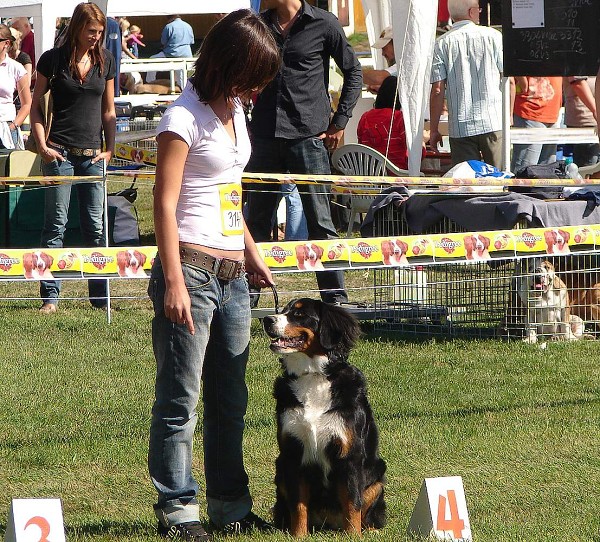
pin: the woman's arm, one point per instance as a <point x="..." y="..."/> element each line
<point x="171" y="155"/>
<point x="38" y="121"/>
<point x="109" y="122"/>
<point x="259" y="274"/>
<point x="23" y="89"/>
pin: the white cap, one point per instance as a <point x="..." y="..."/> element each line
<point x="385" y="37"/>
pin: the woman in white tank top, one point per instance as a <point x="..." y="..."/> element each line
<point x="199" y="283"/>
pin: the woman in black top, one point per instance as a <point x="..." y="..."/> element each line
<point x="80" y="75"/>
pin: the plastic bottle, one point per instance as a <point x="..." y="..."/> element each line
<point x="572" y="170"/>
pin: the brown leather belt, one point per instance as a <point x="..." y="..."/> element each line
<point x="223" y="268"/>
<point x="76" y="151"/>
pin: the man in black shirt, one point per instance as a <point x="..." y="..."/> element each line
<point x="292" y="127"/>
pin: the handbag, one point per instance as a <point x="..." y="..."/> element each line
<point x="46" y="105"/>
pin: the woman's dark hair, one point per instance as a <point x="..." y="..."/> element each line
<point x="82" y="16"/>
<point x="387" y="94"/>
<point x="238" y="56"/>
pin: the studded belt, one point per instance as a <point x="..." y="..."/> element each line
<point x="223" y="268"/>
<point x="75" y="151"/>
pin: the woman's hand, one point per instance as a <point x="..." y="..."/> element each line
<point x="49" y="155"/>
<point x="178" y="306"/>
<point x="258" y="274"/>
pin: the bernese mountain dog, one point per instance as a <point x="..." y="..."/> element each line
<point x="328" y="474"/>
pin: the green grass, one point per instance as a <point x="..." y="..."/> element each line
<point x="519" y="425"/>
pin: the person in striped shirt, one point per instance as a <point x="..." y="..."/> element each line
<point x="467" y="71"/>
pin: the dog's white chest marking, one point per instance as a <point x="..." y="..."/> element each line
<point x="312" y="423"/>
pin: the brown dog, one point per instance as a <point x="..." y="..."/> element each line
<point x="476" y="247"/>
<point x="394" y="252"/>
<point x="557" y="241"/>
<point x="309" y="256"/>
<point x="36" y="265"/>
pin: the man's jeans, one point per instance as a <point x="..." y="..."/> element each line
<point x="294" y="156"/>
<point x="533" y="153"/>
<point x="217" y="354"/>
<point x="91" y="216"/>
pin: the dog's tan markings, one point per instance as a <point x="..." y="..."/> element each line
<point x="346" y="443"/>
<point x="299" y="515"/>
<point x="370" y="495"/>
<point x="352" y="516"/>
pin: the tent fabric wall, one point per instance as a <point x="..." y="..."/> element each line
<point x="45" y="12"/>
<point x="414" y="23"/>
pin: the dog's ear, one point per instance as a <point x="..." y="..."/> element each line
<point x="121" y="261"/>
<point x="141" y="257"/>
<point x="549" y="236"/>
<point x="403" y="246"/>
<point x="48" y="260"/>
<point x="468" y="242"/>
<point x="318" y="251"/>
<point x="338" y="329"/>
<point x="28" y="262"/>
<point x="486" y="241"/>
<point x="565" y="235"/>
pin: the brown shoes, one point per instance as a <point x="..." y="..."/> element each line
<point x="48" y="308"/>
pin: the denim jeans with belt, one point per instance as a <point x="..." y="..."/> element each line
<point x="308" y="155"/>
<point x="532" y="153"/>
<point x="217" y="355"/>
<point x="91" y="216"/>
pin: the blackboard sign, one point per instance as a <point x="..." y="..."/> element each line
<point x="551" y="37"/>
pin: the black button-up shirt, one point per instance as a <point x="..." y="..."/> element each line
<point x="296" y="103"/>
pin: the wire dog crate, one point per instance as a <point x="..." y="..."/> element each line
<point x="476" y="299"/>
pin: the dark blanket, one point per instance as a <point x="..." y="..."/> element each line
<point x="480" y="213"/>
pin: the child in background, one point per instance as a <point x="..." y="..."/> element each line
<point x="134" y="39"/>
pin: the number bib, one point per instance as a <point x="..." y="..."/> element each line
<point x="230" y="198"/>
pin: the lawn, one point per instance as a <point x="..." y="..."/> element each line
<point x="517" y="423"/>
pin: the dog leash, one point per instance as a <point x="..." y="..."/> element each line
<point x="275" y="298"/>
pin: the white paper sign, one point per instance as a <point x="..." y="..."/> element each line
<point x="528" y="14"/>
<point x="441" y="510"/>
<point x="35" y="520"/>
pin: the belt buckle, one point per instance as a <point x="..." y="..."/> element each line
<point x="225" y="268"/>
<point x="228" y="269"/>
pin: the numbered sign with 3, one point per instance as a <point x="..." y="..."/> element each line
<point x="35" y="520"/>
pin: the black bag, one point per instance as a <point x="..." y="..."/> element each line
<point x="556" y="170"/>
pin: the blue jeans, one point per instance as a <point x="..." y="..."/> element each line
<point x="534" y="153"/>
<point x="91" y="216"/>
<point x="309" y="155"/>
<point x="217" y="355"/>
<point x="295" y="221"/>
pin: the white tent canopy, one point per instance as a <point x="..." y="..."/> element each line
<point x="45" y="12"/>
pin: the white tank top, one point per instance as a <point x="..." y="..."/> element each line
<point x="209" y="210"/>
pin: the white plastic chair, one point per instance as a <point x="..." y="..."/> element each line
<point x="356" y="159"/>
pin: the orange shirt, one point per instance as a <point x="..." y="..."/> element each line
<point x="542" y="101"/>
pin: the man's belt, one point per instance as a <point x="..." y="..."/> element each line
<point x="223" y="268"/>
<point x="75" y="151"/>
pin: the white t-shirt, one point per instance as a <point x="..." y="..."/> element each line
<point x="209" y="210"/>
<point x="11" y="72"/>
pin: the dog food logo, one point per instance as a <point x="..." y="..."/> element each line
<point x="6" y="262"/>
<point x="419" y="247"/>
<point x="581" y="236"/>
<point x="449" y="245"/>
<point x="98" y="260"/>
<point x="501" y="241"/>
<point x="364" y="249"/>
<point x="234" y="197"/>
<point x="335" y="251"/>
<point x="529" y="239"/>
<point x="278" y="254"/>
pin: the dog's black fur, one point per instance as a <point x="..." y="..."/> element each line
<point x="328" y="472"/>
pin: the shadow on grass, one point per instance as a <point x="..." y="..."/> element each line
<point x="594" y="399"/>
<point x="112" y="528"/>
